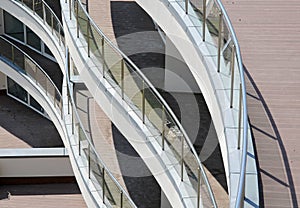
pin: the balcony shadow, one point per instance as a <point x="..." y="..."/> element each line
<point x="272" y="160"/>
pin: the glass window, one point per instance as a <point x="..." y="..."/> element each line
<point x="47" y="50"/>
<point x="16" y="90"/>
<point x="32" y="39"/>
<point x="36" y="105"/>
<point x="13" y="27"/>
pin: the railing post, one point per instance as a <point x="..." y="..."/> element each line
<point x="220" y="40"/>
<point x="103" y="185"/>
<point x="122" y="78"/>
<point x="182" y="157"/>
<point x="59" y="35"/>
<point x="12" y="54"/>
<point x="77" y="22"/>
<point x="102" y="50"/>
<point x="186" y="6"/>
<point x="143" y="102"/>
<point x="204" y="20"/>
<point x="33" y="6"/>
<point x="44" y="13"/>
<point x="199" y="189"/>
<point x="70" y="9"/>
<point x="240" y="118"/>
<point x="89" y="160"/>
<point x="163" y="118"/>
<point x="88" y="36"/>
<point x="232" y="75"/>
<point x="52" y="23"/>
<point x="79" y="144"/>
<point x="121" y="202"/>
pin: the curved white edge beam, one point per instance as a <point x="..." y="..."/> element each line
<point x="60" y="124"/>
<point x="35" y="23"/>
<point x="185" y="36"/>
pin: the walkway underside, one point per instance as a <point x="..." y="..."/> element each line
<point x="269" y="35"/>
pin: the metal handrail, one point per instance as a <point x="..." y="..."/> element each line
<point x="33" y="61"/>
<point x="241" y="184"/>
<point x="161" y="99"/>
<point x="88" y="138"/>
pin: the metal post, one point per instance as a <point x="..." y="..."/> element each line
<point x="72" y="119"/>
<point x="186" y="6"/>
<point x="59" y="35"/>
<point x="182" y="152"/>
<point x="33" y="6"/>
<point x="70" y="9"/>
<point x="77" y="22"/>
<point x="79" y="145"/>
<point x="121" y="202"/>
<point x="44" y="13"/>
<point x="232" y="75"/>
<point x="204" y="20"/>
<point x="219" y="40"/>
<point x="52" y="24"/>
<point x="199" y="189"/>
<point x="163" y="118"/>
<point x="12" y="54"/>
<point x="143" y="102"/>
<point x="122" y="78"/>
<point x="240" y="118"/>
<point x="103" y="185"/>
<point x="89" y="160"/>
<point x="103" y="66"/>
<point x="88" y="36"/>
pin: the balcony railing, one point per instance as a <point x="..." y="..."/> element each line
<point x="217" y="31"/>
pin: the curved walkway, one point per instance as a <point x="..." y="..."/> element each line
<point x="269" y="35"/>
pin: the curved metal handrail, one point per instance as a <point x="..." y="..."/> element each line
<point x="88" y="138"/>
<point x="241" y="184"/>
<point x="34" y="62"/>
<point x="161" y="99"/>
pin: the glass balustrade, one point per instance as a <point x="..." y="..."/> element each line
<point x="143" y="98"/>
<point x="41" y="9"/>
<point x="213" y="24"/>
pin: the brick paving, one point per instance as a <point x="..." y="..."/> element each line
<point x="269" y="35"/>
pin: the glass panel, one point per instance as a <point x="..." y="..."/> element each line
<point x="114" y="63"/>
<point x="35" y="104"/>
<point x="47" y="50"/>
<point x="18" y="58"/>
<point x="13" y="27"/>
<point x="50" y="90"/>
<point x="96" y="43"/>
<point x="96" y="171"/>
<point x="16" y="90"/>
<point x="41" y="79"/>
<point x="28" y="3"/>
<point x="30" y="68"/>
<point x="32" y="39"/>
<point x="112" y="191"/>
<point x="212" y="23"/>
<point x="6" y="49"/>
<point x="38" y="7"/>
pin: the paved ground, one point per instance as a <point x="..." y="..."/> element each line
<point x="21" y="127"/>
<point x="269" y="35"/>
<point x="66" y="195"/>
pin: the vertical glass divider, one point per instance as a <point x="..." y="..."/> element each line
<point x="102" y="42"/>
<point x="219" y="41"/>
<point x="12" y="54"/>
<point x="70" y="8"/>
<point x="232" y="75"/>
<point x="204" y="20"/>
<point x="73" y="123"/>
<point x="33" y="6"/>
<point x="240" y="118"/>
